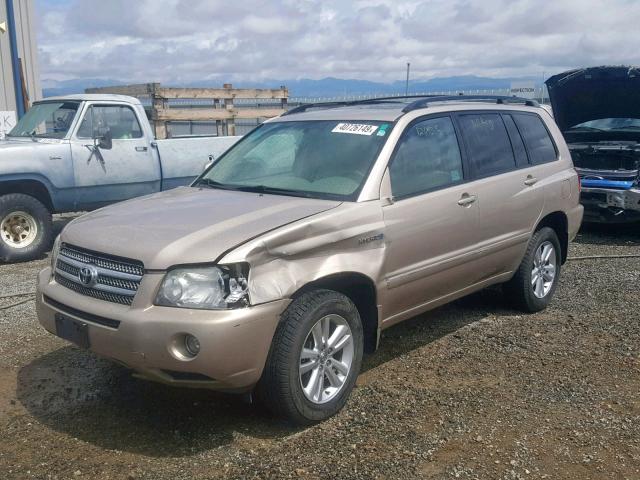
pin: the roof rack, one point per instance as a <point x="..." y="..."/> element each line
<point x="346" y="103"/>
<point x="421" y="102"/>
<point x="498" y="99"/>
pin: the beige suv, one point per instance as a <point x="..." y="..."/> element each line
<point x="280" y="265"/>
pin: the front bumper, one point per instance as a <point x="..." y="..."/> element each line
<point x="234" y="343"/>
<point x="611" y="205"/>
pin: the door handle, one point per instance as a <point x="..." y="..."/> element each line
<point x="466" y="200"/>
<point x="530" y="181"/>
<point x="141" y="149"/>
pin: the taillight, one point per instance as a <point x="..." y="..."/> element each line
<point x="579" y="182"/>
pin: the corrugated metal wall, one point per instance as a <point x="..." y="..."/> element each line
<point x="27" y="50"/>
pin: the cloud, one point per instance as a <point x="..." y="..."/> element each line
<point x="180" y="41"/>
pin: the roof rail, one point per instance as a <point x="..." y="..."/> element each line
<point x="421" y="102"/>
<point x="498" y="99"/>
<point x="346" y="103"/>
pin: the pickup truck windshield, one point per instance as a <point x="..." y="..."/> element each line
<point x="47" y="119"/>
<point x="317" y="159"/>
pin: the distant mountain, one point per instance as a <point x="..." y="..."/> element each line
<point x="51" y="88"/>
<point x="323" y="88"/>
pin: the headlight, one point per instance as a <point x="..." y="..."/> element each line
<point x="54" y="254"/>
<point x="206" y="288"/>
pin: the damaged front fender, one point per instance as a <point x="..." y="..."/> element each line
<point x="349" y="238"/>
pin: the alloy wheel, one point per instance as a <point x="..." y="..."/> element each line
<point x="544" y="269"/>
<point x="326" y="358"/>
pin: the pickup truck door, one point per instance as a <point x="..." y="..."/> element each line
<point x="128" y="169"/>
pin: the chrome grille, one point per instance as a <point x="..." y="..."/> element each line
<point x="113" y="279"/>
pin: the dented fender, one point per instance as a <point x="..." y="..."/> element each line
<point x="348" y="238"/>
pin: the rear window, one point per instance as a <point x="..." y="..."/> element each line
<point x="539" y="144"/>
<point x="488" y="146"/>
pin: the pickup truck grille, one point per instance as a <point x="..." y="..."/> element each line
<point x="98" y="275"/>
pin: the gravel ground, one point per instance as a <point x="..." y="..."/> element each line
<point x="472" y="390"/>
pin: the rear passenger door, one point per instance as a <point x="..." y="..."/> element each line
<point x="510" y="194"/>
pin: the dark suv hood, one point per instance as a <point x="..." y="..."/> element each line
<point x="586" y="94"/>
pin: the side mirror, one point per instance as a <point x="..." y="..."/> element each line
<point x="105" y="141"/>
<point x="208" y="164"/>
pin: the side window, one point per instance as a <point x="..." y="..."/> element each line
<point x="427" y="158"/>
<point x="119" y="120"/>
<point x="516" y="141"/>
<point x="539" y="144"/>
<point x="85" y="130"/>
<point x="488" y="145"/>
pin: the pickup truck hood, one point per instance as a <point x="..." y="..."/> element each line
<point x="8" y="144"/>
<point x="586" y="94"/>
<point x="186" y="225"/>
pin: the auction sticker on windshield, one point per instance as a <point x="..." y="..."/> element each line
<point x="355" y="128"/>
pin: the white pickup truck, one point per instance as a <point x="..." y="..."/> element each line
<point x="82" y="152"/>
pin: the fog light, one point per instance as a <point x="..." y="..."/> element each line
<point x="192" y="345"/>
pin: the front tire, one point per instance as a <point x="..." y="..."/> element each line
<point x="315" y="358"/>
<point x="532" y="287"/>
<point x="25" y="228"/>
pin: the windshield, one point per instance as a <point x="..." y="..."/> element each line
<point x="609" y="124"/>
<point x="318" y="159"/>
<point x="48" y="119"/>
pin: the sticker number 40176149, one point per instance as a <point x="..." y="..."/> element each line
<point x="355" y="128"/>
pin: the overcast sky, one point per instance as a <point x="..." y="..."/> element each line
<point x="175" y="41"/>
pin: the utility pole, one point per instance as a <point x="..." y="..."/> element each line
<point x="406" y="88"/>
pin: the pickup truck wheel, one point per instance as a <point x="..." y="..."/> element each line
<point x="315" y="358"/>
<point x="535" y="282"/>
<point x="25" y="228"/>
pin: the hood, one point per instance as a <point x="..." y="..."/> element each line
<point x="586" y="94"/>
<point x="9" y="143"/>
<point x="186" y="225"/>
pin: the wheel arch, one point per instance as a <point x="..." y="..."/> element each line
<point x="361" y="290"/>
<point x="558" y="222"/>
<point x="33" y="187"/>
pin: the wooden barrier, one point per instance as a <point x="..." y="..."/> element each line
<point x="223" y="111"/>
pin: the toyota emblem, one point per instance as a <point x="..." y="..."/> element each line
<point x="88" y="275"/>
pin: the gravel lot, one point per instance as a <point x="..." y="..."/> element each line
<point x="471" y="390"/>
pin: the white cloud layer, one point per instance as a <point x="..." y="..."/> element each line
<point x="179" y="41"/>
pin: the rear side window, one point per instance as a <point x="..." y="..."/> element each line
<point x="516" y="141"/>
<point x="488" y="146"/>
<point x="536" y="137"/>
<point x="427" y="158"/>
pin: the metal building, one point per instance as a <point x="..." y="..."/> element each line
<point x="19" y="74"/>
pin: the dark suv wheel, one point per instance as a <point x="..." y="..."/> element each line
<point x="532" y="287"/>
<point x="25" y="228"/>
<point x="315" y="358"/>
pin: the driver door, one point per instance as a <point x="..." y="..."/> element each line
<point x="107" y="175"/>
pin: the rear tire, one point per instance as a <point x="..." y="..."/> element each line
<point x="25" y="228"/>
<point x="302" y="351"/>
<point x="532" y="287"/>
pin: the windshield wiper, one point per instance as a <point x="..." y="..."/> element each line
<point x="586" y="129"/>
<point x="627" y="127"/>
<point x="273" y="190"/>
<point x="207" y="182"/>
